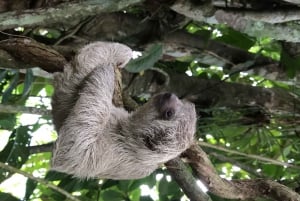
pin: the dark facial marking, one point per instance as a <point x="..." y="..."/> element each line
<point x="166" y="104"/>
<point x="149" y="144"/>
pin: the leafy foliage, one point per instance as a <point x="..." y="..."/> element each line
<point x="248" y="129"/>
<point x="146" y="61"/>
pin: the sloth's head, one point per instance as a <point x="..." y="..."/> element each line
<point x="164" y="126"/>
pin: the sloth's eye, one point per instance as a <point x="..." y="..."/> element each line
<point x="168" y="114"/>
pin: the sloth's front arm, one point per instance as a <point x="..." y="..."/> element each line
<point x="77" y="145"/>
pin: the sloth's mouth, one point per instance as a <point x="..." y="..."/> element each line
<point x="153" y="142"/>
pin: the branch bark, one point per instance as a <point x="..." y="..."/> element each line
<point x="186" y="180"/>
<point x="28" y="51"/>
<point x="285" y="31"/>
<point x="65" y="14"/>
<point x="246" y="22"/>
<point x="235" y="189"/>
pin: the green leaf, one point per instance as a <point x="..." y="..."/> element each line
<point x="109" y="183"/>
<point x="53" y="175"/>
<point x="291" y="64"/>
<point x="149" y="181"/>
<point x="146" y="198"/>
<point x="111" y="195"/>
<point x="29" y="78"/>
<point x="163" y="189"/>
<point x="38" y="85"/>
<point x="8" y="197"/>
<point x="3" y="74"/>
<point x="12" y="85"/>
<point x="124" y="185"/>
<point x="49" y="90"/>
<point x="5" y="152"/>
<point x="169" y="190"/>
<point x="20" y="152"/>
<point x="7" y="121"/>
<point x="70" y="184"/>
<point x="174" y="191"/>
<point x="287" y="150"/>
<point x="30" y="186"/>
<point x="16" y="151"/>
<point x="147" y="60"/>
<point x="135" y="195"/>
<point x="235" y="38"/>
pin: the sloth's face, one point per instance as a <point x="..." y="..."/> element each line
<point x="165" y="124"/>
<point x="167" y="105"/>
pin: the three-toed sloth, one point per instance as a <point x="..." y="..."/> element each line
<point x="99" y="140"/>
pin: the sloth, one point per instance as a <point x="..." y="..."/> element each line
<point x="99" y="140"/>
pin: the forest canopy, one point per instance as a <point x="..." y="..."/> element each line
<point x="236" y="60"/>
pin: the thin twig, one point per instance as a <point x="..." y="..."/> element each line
<point x="44" y="182"/>
<point x="260" y="158"/>
<point x="12" y="109"/>
<point x="73" y="32"/>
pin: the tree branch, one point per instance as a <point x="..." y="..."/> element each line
<point x="66" y="14"/>
<point x="186" y="180"/>
<point x="252" y="156"/>
<point x="34" y="53"/>
<point x="235" y="189"/>
<point x="23" y="109"/>
<point x="254" y="24"/>
<point x="286" y="32"/>
<point x="41" y="148"/>
<point x="243" y="166"/>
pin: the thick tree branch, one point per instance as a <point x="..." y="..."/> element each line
<point x="272" y="17"/>
<point x="65" y="14"/>
<point x="33" y="53"/>
<point x="286" y="32"/>
<point x="196" y="13"/>
<point x="254" y="24"/>
<point x="186" y="180"/>
<point x="235" y="189"/>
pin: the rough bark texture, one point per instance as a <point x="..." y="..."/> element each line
<point x="185" y="180"/>
<point x="33" y="53"/>
<point x="235" y="189"/>
<point x="51" y="16"/>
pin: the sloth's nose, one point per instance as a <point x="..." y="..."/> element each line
<point x="165" y="98"/>
<point x="167" y="95"/>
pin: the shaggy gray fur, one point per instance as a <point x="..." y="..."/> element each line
<point x="97" y="139"/>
